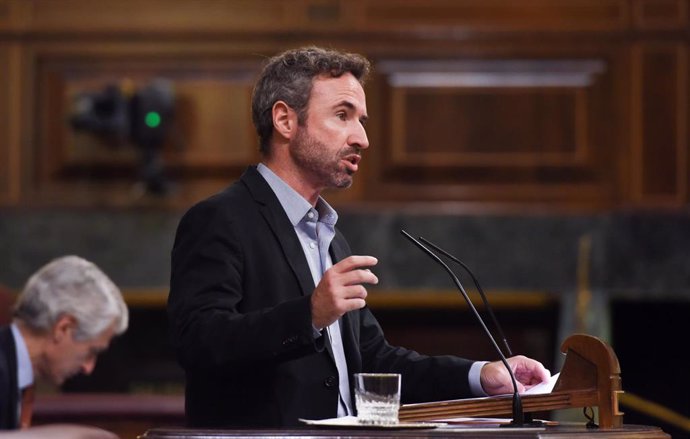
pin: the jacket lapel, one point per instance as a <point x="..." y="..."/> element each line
<point x="283" y="230"/>
<point x="280" y="225"/>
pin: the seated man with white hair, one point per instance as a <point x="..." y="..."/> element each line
<point x="67" y="314"/>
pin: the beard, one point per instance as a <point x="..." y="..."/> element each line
<point x="323" y="168"/>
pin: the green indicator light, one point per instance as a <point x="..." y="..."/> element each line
<point x="152" y="119"/>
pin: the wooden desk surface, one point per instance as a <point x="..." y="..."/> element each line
<point x="554" y="432"/>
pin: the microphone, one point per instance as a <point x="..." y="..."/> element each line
<point x="488" y="307"/>
<point x="518" y="413"/>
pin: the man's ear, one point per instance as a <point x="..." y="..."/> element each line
<point x="284" y="120"/>
<point x="64" y="327"/>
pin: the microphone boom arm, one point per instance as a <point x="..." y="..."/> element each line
<point x="479" y="289"/>
<point x="518" y="413"/>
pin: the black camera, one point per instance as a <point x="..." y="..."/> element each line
<point x="142" y="117"/>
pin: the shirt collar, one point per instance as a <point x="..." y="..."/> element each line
<point x="25" y="373"/>
<point x="295" y="206"/>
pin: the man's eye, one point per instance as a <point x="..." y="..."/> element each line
<point x="341" y="116"/>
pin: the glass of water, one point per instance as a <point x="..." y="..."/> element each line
<point x="377" y="398"/>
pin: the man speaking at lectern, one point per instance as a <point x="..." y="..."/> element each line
<point x="267" y="304"/>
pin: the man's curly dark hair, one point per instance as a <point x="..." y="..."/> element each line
<point x="288" y="77"/>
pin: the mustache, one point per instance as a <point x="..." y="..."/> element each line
<point x="351" y="150"/>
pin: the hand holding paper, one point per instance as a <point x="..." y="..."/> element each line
<point x="544" y="386"/>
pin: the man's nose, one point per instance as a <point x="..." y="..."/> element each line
<point x="359" y="137"/>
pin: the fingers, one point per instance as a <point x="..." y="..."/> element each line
<point x="496" y="380"/>
<point x="341" y="290"/>
<point x="528" y="371"/>
<point x="353" y="304"/>
<point x="528" y="367"/>
<point x="351" y="271"/>
<point x="357" y="277"/>
<point x="352" y="262"/>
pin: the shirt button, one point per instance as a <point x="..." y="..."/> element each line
<point x="312" y="245"/>
<point x="310" y="215"/>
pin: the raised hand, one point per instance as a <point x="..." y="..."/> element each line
<point x="341" y="289"/>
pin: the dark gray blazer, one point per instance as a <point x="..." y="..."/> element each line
<point x="9" y="393"/>
<point x="240" y="319"/>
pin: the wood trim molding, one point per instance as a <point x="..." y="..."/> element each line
<point x="392" y="298"/>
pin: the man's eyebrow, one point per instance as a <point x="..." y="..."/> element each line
<point x="345" y="103"/>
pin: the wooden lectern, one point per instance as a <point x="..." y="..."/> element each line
<point x="590" y="377"/>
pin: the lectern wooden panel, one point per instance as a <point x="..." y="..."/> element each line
<point x="590" y="377"/>
<point x="557" y="432"/>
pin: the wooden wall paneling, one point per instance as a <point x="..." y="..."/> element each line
<point x="10" y="122"/>
<point x="327" y="16"/>
<point x="490" y="15"/>
<point x="683" y="164"/>
<point x="660" y="14"/>
<point x="686" y="133"/>
<point x="4" y="14"/>
<point x="498" y="129"/>
<point x="211" y="142"/>
<point x="156" y="16"/>
<point x="163" y="17"/>
<point x="5" y="141"/>
<point x="659" y="123"/>
<point x="564" y="143"/>
<point x="14" y="14"/>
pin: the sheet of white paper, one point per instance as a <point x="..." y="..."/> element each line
<point x="544" y="387"/>
<point x="353" y="422"/>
